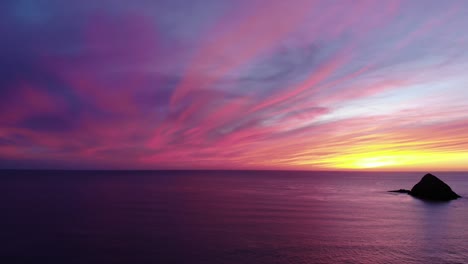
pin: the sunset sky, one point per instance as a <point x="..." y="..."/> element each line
<point x="240" y="84"/>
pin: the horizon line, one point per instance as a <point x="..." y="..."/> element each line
<point x="250" y="170"/>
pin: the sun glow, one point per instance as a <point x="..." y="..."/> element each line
<point x="398" y="159"/>
<point x="376" y="162"/>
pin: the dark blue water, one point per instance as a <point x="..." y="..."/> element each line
<point x="227" y="217"/>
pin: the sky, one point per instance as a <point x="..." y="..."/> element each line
<point x="240" y="84"/>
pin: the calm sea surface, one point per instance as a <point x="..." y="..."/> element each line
<point x="227" y="217"/>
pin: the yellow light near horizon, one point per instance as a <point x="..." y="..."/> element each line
<point x="399" y="160"/>
<point x="375" y="162"/>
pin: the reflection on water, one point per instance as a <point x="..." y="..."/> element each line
<point x="227" y="217"/>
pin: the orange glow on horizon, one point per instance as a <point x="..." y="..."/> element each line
<point x="398" y="160"/>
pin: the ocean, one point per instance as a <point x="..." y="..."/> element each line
<point x="227" y="217"/>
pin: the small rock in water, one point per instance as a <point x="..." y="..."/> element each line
<point x="431" y="188"/>
<point x="401" y="191"/>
